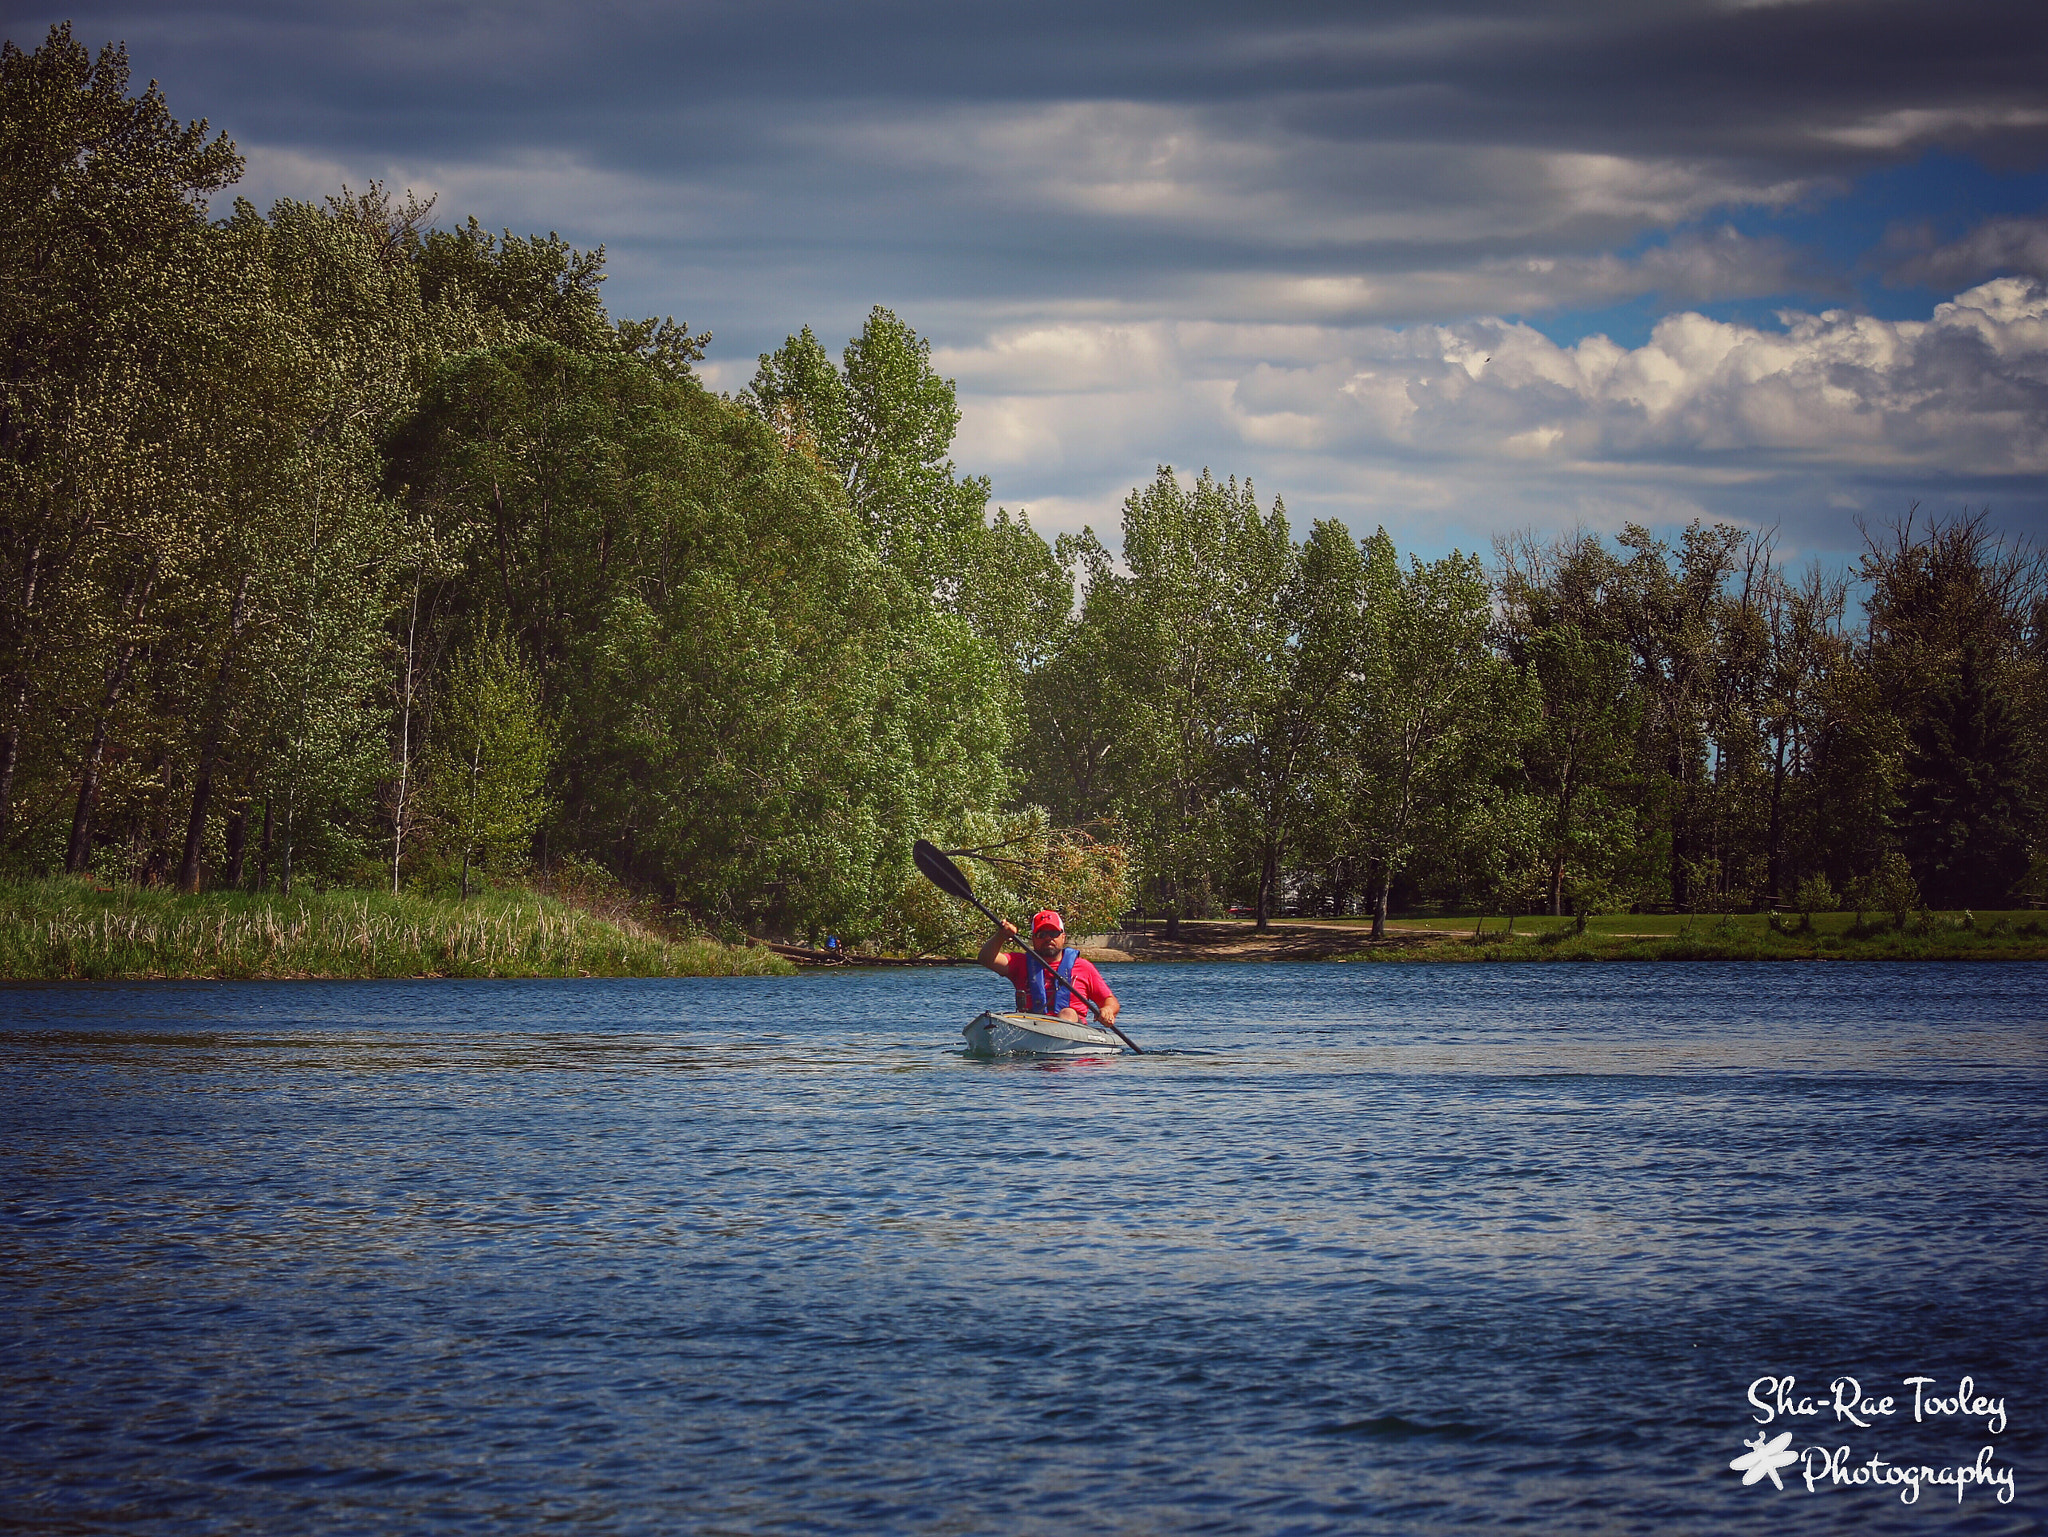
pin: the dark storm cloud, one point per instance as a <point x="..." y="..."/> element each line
<point x="1696" y="78"/>
<point x="1032" y="150"/>
<point x="1803" y="89"/>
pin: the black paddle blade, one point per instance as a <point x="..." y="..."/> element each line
<point x="941" y="871"/>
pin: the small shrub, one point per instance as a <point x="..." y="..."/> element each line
<point x="1814" y="895"/>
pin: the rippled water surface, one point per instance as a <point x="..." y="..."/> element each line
<point x="1361" y="1248"/>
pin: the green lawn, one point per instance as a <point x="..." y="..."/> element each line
<point x="2007" y="935"/>
<point x="1668" y="924"/>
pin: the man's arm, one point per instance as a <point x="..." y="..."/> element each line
<point x="991" y="950"/>
<point x="1098" y="993"/>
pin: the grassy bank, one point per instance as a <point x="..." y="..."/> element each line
<point x="2011" y="936"/>
<point x="67" y="929"/>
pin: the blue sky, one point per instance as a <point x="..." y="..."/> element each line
<point x="1460" y="268"/>
<point x="1856" y="236"/>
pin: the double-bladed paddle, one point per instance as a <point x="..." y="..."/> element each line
<point x="949" y="878"/>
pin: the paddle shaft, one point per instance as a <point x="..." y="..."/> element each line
<point x="945" y="875"/>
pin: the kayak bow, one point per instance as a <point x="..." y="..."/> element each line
<point x="1038" y="1035"/>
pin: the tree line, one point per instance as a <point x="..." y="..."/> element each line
<point x="1578" y="726"/>
<point x="340" y="545"/>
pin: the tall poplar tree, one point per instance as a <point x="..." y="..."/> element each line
<point x="1438" y="713"/>
<point x="97" y="188"/>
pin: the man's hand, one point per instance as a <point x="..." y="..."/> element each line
<point x="991" y="951"/>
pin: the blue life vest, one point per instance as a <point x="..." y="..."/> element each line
<point x="1039" y="982"/>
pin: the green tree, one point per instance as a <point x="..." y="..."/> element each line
<point x="1438" y="714"/>
<point x="758" y="715"/>
<point x="1579" y="761"/>
<point x="1953" y="660"/>
<point x="1805" y="648"/>
<point x="1967" y="811"/>
<point x="99" y="189"/>
<point x="1297" y="696"/>
<point x="1189" y="628"/>
<point x="883" y="422"/>
<point x="510" y="288"/>
<point x="488" y="765"/>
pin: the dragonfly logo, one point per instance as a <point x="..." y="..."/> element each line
<point x="1764" y="1458"/>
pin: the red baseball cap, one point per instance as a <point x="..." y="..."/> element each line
<point x="1047" y="920"/>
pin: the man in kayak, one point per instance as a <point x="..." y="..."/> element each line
<point x="1057" y="980"/>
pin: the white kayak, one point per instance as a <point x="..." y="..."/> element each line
<point x="1000" y="1035"/>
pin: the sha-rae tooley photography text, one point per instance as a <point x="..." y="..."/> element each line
<point x="1846" y="1405"/>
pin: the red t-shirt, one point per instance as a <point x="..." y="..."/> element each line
<point x="1088" y="981"/>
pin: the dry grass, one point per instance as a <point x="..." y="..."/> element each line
<point x="67" y="929"/>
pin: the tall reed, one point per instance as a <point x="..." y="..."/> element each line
<point x="61" y="928"/>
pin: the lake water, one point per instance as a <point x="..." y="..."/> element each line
<point x="1357" y="1249"/>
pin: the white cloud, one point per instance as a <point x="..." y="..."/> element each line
<point x="1461" y="430"/>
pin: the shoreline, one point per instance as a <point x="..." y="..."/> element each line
<point x="64" y="930"/>
<point x="2008" y="936"/>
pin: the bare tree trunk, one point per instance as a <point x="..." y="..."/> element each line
<point x="80" y="846"/>
<point x="238" y="836"/>
<point x="1269" y="877"/>
<point x="405" y="741"/>
<point x="263" y="851"/>
<point x="469" y="832"/>
<point x="10" y="745"/>
<point x="10" y="749"/>
<point x="1385" y="885"/>
<point x="1777" y="833"/>
<point x="284" y="854"/>
<point x="79" y="849"/>
<point x="156" y="865"/>
<point x="195" y="825"/>
<point x="209" y="751"/>
<point x="1681" y="835"/>
<point x="291" y="789"/>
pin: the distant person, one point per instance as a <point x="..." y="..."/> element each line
<point x="832" y="944"/>
<point x="1071" y="979"/>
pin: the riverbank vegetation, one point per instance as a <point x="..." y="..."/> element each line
<point x="348" y="551"/>
<point x="64" y="929"/>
